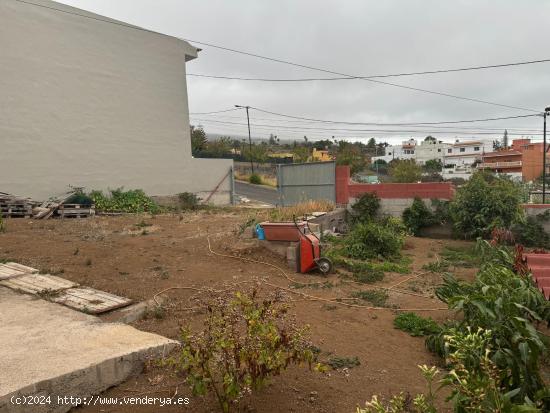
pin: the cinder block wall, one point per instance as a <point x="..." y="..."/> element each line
<point x="537" y="209"/>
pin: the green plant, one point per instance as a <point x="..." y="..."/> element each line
<point x="377" y="298"/>
<point x="405" y="171"/>
<point x="188" y="201"/>
<point x="418" y="216"/>
<point x="486" y="202"/>
<point x="371" y="240"/>
<point x="255" y="179"/>
<point x="507" y="305"/>
<point x="436" y="266"/>
<point x="245" y="341"/>
<point x="466" y="257"/>
<point x="338" y="362"/>
<point x="366" y="208"/>
<point x="2" y="225"/>
<point x="531" y="232"/>
<point x="416" y="325"/>
<point x="118" y="200"/>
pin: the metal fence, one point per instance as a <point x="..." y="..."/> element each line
<point x="306" y="181"/>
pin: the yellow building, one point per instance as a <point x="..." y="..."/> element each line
<point x="320" y="155"/>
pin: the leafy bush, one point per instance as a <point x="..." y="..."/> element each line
<point x="366" y="208"/>
<point x="244" y="342"/>
<point x="531" y="232"/>
<point x="133" y="201"/>
<point x="505" y="304"/>
<point x="188" y="201"/>
<point x="418" y="216"/>
<point x="371" y="240"/>
<point x="255" y="179"/>
<point x="486" y="202"/>
<point x="416" y="325"/>
<point x="405" y="171"/>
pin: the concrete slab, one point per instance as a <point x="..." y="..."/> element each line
<point x="38" y="283"/>
<point x="91" y="301"/>
<point x="13" y="269"/>
<point x="51" y="350"/>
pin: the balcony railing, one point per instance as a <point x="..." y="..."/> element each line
<point x="496" y="165"/>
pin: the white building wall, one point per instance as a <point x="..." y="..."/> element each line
<point x="428" y="150"/>
<point x="88" y="103"/>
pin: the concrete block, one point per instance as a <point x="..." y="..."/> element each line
<point x="51" y="350"/>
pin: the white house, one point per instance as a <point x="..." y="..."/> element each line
<point x="461" y="158"/>
<point x="431" y="149"/>
<point x="92" y="102"/>
<point x="404" y="151"/>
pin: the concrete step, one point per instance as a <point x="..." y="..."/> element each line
<point x="48" y="349"/>
<point x="537" y="259"/>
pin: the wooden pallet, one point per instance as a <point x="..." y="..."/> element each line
<point x="38" y="284"/>
<point x="75" y="211"/>
<point x="13" y="269"/>
<point x="91" y="301"/>
<point x="15" y="210"/>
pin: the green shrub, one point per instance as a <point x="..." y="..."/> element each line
<point x="416" y="325"/>
<point x="2" y="225"/>
<point x="377" y="298"/>
<point x="338" y="362"/>
<point x="244" y="342"/>
<point x="366" y="208"/>
<point x="505" y="304"/>
<point x="188" y="201"/>
<point x="372" y="240"/>
<point x="531" y="232"/>
<point x="255" y="179"/>
<point x="486" y="202"/>
<point x="418" y="216"/>
<point x="132" y="201"/>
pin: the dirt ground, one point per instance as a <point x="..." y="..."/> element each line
<point x="138" y="256"/>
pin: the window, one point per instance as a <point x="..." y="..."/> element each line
<point x="476" y="148"/>
<point x="449" y="151"/>
<point x="462" y="149"/>
<point x="439" y="150"/>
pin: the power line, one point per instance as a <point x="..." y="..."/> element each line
<point x="427" y="72"/>
<point x="304" y="128"/>
<point x="272" y="59"/>
<point x="211" y="113"/>
<point x="310" y="122"/>
<point x="285" y="61"/>
<point x="392" y="124"/>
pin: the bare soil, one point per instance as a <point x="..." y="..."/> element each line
<point x="137" y="256"/>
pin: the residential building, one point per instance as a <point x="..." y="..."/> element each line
<point x="431" y="149"/>
<point x="404" y="151"/>
<point x="321" y="155"/>
<point x="92" y="102"/>
<point x="461" y="158"/>
<point x="523" y="160"/>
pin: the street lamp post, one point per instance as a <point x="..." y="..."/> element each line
<point x="249" y="137"/>
<point x="546" y="111"/>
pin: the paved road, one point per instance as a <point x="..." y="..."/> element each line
<point x="260" y="193"/>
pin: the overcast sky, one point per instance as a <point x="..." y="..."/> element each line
<point x="357" y="37"/>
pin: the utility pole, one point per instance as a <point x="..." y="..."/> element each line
<point x="249" y="137"/>
<point x="546" y="111"/>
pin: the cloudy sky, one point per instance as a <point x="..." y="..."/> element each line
<point x="361" y="38"/>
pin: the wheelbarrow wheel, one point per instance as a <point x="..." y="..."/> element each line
<point x="324" y="265"/>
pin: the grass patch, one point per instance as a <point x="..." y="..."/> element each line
<point x="377" y="298"/>
<point x="416" y="325"/>
<point x="436" y="266"/>
<point x="338" y="362"/>
<point x="466" y="257"/>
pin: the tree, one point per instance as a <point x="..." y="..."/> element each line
<point x="198" y="139"/>
<point x="220" y="147"/>
<point x="273" y="139"/>
<point x="405" y="171"/>
<point x="258" y="153"/>
<point x="433" y="165"/>
<point x="484" y="203"/>
<point x="430" y="138"/>
<point x="350" y="154"/>
<point x="301" y="154"/>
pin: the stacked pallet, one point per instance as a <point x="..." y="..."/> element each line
<point x="14" y="207"/>
<point x="539" y="264"/>
<point x="75" y="210"/>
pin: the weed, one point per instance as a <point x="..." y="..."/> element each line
<point x="48" y="294"/>
<point x="368" y="277"/>
<point x="143" y="224"/>
<point x="51" y="271"/>
<point x="255" y="179"/>
<point x="76" y="251"/>
<point x="436" y="266"/>
<point x="243" y="226"/>
<point x="88" y="262"/>
<point x="158" y="312"/>
<point x="299" y="210"/>
<point x="132" y="201"/>
<point x="466" y="257"/>
<point x="188" y="201"/>
<point x="2" y="224"/>
<point x="416" y="325"/>
<point x="377" y="298"/>
<point x="329" y="307"/>
<point x="338" y="362"/>
<point x="164" y="275"/>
